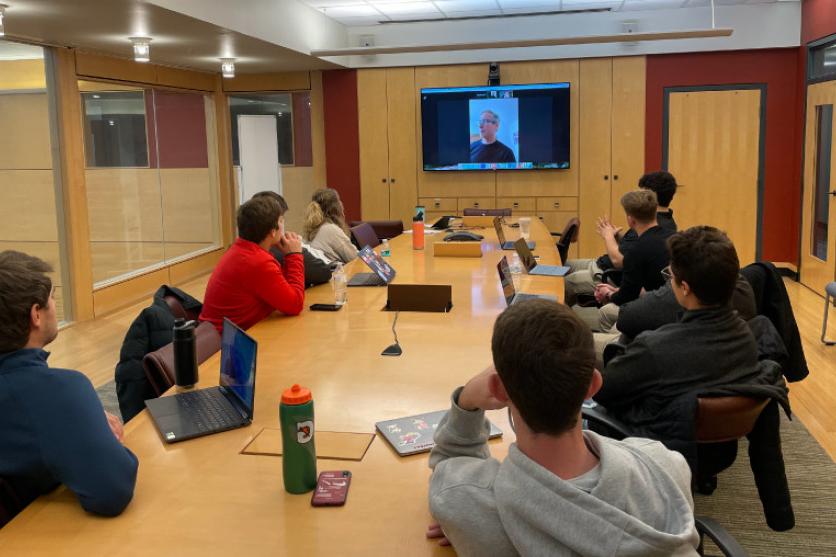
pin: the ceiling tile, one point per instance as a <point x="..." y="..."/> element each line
<point x="520" y="4"/>
<point x="466" y="5"/>
<point x="633" y="5"/>
<point x="359" y="10"/>
<point x="400" y="9"/>
<point x="591" y="4"/>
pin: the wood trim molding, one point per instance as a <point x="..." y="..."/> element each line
<point x="74" y="190"/>
<point x="284" y="81"/>
<point x="122" y="69"/>
<point x="111" y="298"/>
<point x="226" y="180"/>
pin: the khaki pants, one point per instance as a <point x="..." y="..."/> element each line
<point x="599" y="319"/>
<point x="601" y="341"/>
<point x="582" y="278"/>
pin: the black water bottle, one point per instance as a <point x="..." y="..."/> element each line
<point x="185" y="353"/>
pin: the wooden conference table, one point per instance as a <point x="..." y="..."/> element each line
<point x="202" y="497"/>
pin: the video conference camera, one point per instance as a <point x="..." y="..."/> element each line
<point x="493" y="74"/>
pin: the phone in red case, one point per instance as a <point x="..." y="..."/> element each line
<point x="331" y="489"/>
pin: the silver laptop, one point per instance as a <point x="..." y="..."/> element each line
<point x="531" y="265"/>
<point x="506" y="280"/>
<point x="500" y="234"/>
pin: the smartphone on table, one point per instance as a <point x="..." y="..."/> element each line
<point x="325" y="307"/>
<point x="331" y="489"/>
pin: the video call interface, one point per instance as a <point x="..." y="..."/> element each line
<point x="238" y="354"/>
<point x="507" y="127"/>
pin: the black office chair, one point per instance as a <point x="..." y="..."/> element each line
<point x="382" y="228"/>
<point x="476" y="212"/>
<point x="363" y="235"/>
<point x="725" y="542"/>
<point x="566" y="237"/>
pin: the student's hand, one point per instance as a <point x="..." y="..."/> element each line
<point x="115" y="426"/>
<point x="434" y="532"/>
<point x="606" y="229"/>
<point x="603" y="293"/>
<point x="290" y="242"/>
<point x="477" y="394"/>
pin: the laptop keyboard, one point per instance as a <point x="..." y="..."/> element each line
<point x="209" y="409"/>
<point x="366" y="279"/>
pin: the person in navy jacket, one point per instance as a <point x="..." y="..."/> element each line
<point x="53" y="428"/>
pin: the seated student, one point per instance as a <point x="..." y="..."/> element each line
<point x="643" y="263"/>
<point x="53" y="428"/>
<point x="248" y="284"/>
<point x="325" y="227"/>
<point x="317" y="266"/>
<point x="560" y="490"/>
<point x="710" y="346"/>
<point x="586" y="273"/>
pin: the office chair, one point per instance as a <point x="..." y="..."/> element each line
<point x="384" y="229"/>
<point x="830" y="292"/>
<point x="364" y="235"/>
<point x="177" y="309"/>
<point x="725" y="542"/>
<point x="159" y="365"/>
<point x="476" y="212"/>
<point x="566" y="237"/>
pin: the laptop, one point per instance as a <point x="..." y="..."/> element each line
<point x="532" y="267"/>
<point x="506" y="280"/>
<point x="414" y="434"/>
<point x="443" y="223"/>
<point x="500" y="234"/>
<point x="206" y="411"/>
<point x="383" y="272"/>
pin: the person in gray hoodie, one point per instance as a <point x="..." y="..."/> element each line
<point x="561" y="490"/>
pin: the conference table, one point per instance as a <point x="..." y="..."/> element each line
<point x="203" y="497"/>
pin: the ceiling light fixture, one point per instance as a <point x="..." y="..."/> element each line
<point x="142" y="48"/>
<point x="2" y="13"/>
<point x="228" y="67"/>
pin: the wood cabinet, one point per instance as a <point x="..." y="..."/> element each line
<point x="387" y="128"/>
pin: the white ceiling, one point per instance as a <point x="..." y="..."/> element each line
<point x="370" y="12"/>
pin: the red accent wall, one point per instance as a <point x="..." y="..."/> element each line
<point x="779" y="70"/>
<point x="342" y="140"/>
<point x="818" y="19"/>
<point x="181" y="129"/>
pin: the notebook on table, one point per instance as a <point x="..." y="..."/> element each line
<point x="414" y="434"/>
<point x="506" y="280"/>
<point x="500" y="234"/>
<point x="531" y="265"/>
<point x="206" y="411"/>
<point x="382" y="274"/>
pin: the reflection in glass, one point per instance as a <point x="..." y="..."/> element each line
<point x="114" y="129"/>
<point x="821" y="205"/>
<point x="279" y="105"/>
<point x="823" y="62"/>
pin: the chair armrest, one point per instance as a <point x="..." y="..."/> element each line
<point x="720" y="536"/>
<point x="597" y="414"/>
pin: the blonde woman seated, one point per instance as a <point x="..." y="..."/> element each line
<point x="325" y="227"/>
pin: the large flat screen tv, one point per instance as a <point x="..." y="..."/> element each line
<point x="504" y="127"/>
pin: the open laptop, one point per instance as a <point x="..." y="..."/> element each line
<point x="206" y="411"/>
<point x="532" y="267"/>
<point x="506" y="280"/>
<point x="443" y="223"/>
<point x="500" y="234"/>
<point x="383" y="272"/>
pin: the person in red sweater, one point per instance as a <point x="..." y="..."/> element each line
<point x="248" y="284"/>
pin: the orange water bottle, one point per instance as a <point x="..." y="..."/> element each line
<point x="417" y="232"/>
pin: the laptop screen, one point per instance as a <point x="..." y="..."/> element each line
<point x="500" y="234"/>
<point x="377" y="264"/>
<point x="238" y="357"/>
<point x="525" y="254"/>
<point x="506" y="280"/>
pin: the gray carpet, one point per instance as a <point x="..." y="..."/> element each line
<point x="735" y="504"/>
<point x="812" y="478"/>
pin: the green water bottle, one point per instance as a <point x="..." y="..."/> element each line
<point x="296" y="415"/>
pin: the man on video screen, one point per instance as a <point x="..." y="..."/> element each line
<point x="488" y="148"/>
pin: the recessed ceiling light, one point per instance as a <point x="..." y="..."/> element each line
<point x="97" y="96"/>
<point x="142" y="48"/>
<point x="228" y="67"/>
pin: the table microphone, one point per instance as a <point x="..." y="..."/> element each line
<point x="393" y="349"/>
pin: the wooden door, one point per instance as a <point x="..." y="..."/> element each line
<point x="628" y="102"/>
<point x="714" y="149"/>
<point x="818" y="231"/>
<point x="374" y="149"/>
<point x="401" y="99"/>
<point x="595" y="152"/>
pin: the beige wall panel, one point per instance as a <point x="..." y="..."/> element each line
<point x="284" y="81"/>
<point x="544" y="182"/>
<point x="27" y="206"/>
<point x="595" y="108"/>
<point x="124" y="204"/>
<point x="318" y="131"/>
<point x="174" y="250"/>
<point x="113" y="259"/>
<point x="24" y="140"/>
<point x="187" y="205"/>
<point x="126" y="293"/>
<point x="628" y="117"/>
<point x="402" y="100"/>
<point x="89" y="86"/>
<point x="22" y="74"/>
<point x="713" y="151"/>
<point x="297" y="188"/>
<point x="449" y="184"/>
<point x="372" y="120"/>
<point x="200" y="265"/>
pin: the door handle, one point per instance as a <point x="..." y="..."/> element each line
<point x="391" y="180"/>
<point x="832" y="193"/>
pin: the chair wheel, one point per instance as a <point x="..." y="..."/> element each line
<point x="706" y="486"/>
